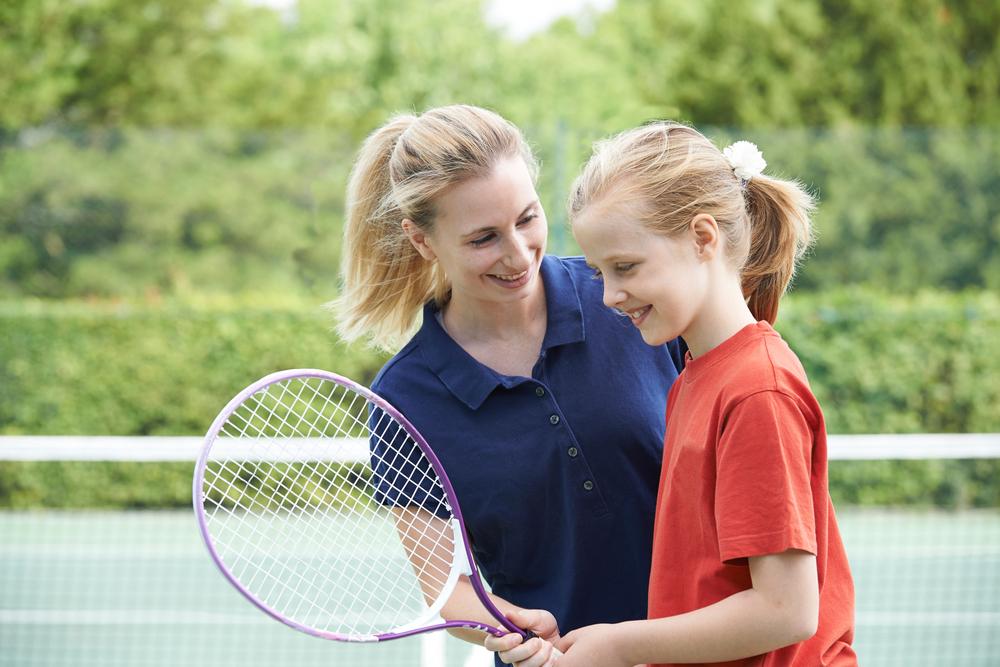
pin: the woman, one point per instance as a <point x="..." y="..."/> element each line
<point x="544" y="406"/>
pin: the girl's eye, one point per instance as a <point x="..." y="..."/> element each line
<point x="624" y="268"/>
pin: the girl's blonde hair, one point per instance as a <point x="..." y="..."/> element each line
<point x="668" y="173"/>
<point x="400" y="171"/>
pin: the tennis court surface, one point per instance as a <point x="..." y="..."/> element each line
<point x="138" y="589"/>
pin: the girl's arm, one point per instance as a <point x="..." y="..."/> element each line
<point x="781" y="608"/>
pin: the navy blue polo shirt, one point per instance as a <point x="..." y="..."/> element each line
<point x="556" y="474"/>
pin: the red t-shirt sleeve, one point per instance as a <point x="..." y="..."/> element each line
<point x="763" y="492"/>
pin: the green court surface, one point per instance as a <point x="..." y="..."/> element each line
<point x="138" y="589"/>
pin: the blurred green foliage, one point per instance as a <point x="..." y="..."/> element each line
<point x="929" y="363"/>
<point x="142" y="213"/>
<point x="771" y="63"/>
<point x="121" y="370"/>
<point x="177" y="170"/>
<point x="151" y="148"/>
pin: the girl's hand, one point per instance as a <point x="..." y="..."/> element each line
<point x="592" y="646"/>
<point x="536" y="652"/>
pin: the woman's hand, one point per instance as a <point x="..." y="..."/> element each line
<point x="536" y="652"/>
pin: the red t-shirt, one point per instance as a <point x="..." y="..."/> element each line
<point x="745" y="474"/>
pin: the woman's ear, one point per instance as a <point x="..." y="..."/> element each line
<point x="704" y="232"/>
<point x="418" y="238"/>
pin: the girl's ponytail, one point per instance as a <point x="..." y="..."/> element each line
<point x="780" y="234"/>
<point x="677" y="173"/>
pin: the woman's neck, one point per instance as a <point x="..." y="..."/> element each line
<point x="482" y="322"/>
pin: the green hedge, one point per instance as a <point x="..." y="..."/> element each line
<point x="879" y="364"/>
<point x="142" y="370"/>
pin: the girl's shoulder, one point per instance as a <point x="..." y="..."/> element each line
<point x="770" y="366"/>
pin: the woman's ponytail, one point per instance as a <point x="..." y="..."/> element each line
<point x="385" y="280"/>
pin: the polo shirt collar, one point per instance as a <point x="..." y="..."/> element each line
<point x="562" y="301"/>
<point x="472" y="382"/>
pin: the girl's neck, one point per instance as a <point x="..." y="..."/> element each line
<point x="470" y="320"/>
<point x="722" y="315"/>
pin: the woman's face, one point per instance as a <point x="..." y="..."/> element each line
<point x="489" y="235"/>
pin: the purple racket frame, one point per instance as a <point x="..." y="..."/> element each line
<point x="472" y="573"/>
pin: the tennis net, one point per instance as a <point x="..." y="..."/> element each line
<point x="82" y="584"/>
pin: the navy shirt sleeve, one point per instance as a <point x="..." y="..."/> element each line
<point x="401" y="474"/>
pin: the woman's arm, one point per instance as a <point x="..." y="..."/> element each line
<point x="430" y="553"/>
<point x="781" y="608"/>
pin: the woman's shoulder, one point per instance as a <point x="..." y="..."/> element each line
<point x="575" y="265"/>
<point x="588" y="288"/>
<point x="403" y="368"/>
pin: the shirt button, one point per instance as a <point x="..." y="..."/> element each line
<point x="554" y="419"/>
<point x="588" y="485"/>
<point x="572" y="451"/>
<point x="539" y="391"/>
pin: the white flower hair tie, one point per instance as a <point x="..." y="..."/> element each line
<point x="746" y="160"/>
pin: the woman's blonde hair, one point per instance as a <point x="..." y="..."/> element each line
<point x="400" y="171"/>
<point x="668" y="173"/>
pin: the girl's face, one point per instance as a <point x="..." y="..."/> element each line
<point x="659" y="281"/>
<point x="489" y="235"/>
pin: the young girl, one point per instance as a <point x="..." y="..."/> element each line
<point x="748" y="566"/>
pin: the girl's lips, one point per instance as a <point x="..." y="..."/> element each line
<point x="638" y="316"/>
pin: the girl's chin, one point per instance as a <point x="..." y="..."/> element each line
<point x="654" y="338"/>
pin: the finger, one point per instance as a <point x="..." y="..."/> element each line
<point x="540" y="657"/>
<point x="539" y="621"/>
<point x="504" y="643"/>
<point x="566" y="642"/>
<point x="525" y="652"/>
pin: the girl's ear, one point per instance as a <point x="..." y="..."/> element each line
<point x="704" y="232"/>
<point x="418" y="238"/>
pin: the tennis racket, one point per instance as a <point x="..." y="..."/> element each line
<point x="327" y="510"/>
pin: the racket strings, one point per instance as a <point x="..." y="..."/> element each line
<point x="375" y="587"/>
<point x="305" y="525"/>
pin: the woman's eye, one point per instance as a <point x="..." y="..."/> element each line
<point x="483" y="240"/>
<point x="526" y="219"/>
